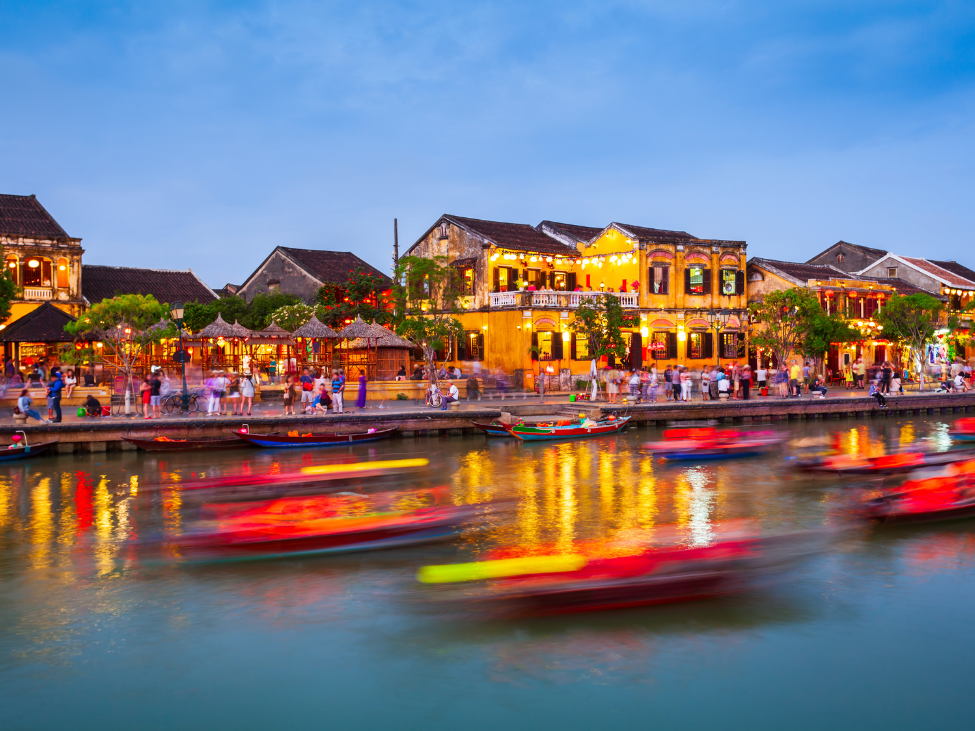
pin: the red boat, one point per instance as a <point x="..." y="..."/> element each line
<point x="704" y="443"/>
<point x="949" y="495"/>
<point x="555" y="584"/>
<point x="855" y="464"/>
<point x="963" y="430"/>
<point x="294" y="439"/>
<point x="303" y="526"/>
<point x="165" y="444"/>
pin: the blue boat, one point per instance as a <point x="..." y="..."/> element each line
<point x="25" y="450"/>
<point x="293" y="441"/>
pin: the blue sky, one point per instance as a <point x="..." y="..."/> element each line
<point x="202" y="134"/>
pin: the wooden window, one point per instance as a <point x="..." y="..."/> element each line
<point x="697" y="280"/>
<point x="467" y="281"/>
<point x="471" y="346"/>
<point x="729" y="345"/>
<point x="892" y="272"/>
<point x="548" y="345"/>
<point x="12" y="268"/>
<point x="579" y="347"/>
<point x="659" y="279"/>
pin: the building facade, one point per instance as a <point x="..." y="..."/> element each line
<point x="522" y="284"/>
<point x="847" y="257"/>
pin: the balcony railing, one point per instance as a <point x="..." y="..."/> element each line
<point x="34" y="293"/>
<point x="558" y="300"/>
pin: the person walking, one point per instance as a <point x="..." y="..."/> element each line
<point x="794" y="380"/>
<point x="782" y="381"/>
<point x="337" y="393"/>
<point x="246" y="394"/>
<point x="24" y="403"/>
<point x="634" y="384"/>
<point x="473" y="388"/>
<point x="860" y="369"/>
<point x="289" y="396"/>
<point x="155" y="397"/>
<point x="360" y="402"/>
<point x="307" y="385"/>
<point x="233" y="394"/>
<point x="220" y="384"/>
<point x="612" y="385"/>
<point x="652" y="387"/>
<point x="55" y="389"/>
<point x="746" y="382"/>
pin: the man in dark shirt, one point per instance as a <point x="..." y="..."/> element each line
<point x="155" y="401"/>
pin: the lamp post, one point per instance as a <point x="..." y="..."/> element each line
<point x="177" y="314"/>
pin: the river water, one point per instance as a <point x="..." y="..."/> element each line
<point x="876" y="631"/>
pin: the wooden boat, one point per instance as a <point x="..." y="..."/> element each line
<point x="963" y="430"/>
<point x="700" y="444"/>
<point x="164" y="444"/>
<point x="294" y="440"/>
<point x="576" y="430"/>
<point x="494" y="428"/>
<point x="323" y="524"/>
<point x="949" y="495"/>
<point x="556" y="584"/>
<point x="888" y="464"/>
<point x="27" y="450"/>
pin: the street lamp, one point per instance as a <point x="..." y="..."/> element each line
<point x="717" y="320"/>
<point x="177" y="315"/>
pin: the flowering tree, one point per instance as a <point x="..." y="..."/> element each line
<point x="291" y="317"/>
<point x="782" y="321"/>
<point x="364" y="295"/>
<point x="124" y="327"/>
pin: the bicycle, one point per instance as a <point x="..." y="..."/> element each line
<point x="173" y="404"/>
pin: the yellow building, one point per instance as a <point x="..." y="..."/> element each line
<point x="43" y="261"/>
<point x="523" y="283"/>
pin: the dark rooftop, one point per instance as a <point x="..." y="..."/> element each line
<point x="876" y="253"/>
<point x="803" y="272"/>
<point x="42" y="325"/>
<point x="656" y="234"/>
<point x="579" y="233"/>
<point x="22" y="215"/>
<point x="166" y="285"/>
<point x="515" y="236"/>
<point x="955" y="268"/>
<point x="332" y="267"/>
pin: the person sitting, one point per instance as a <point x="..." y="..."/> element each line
<point x="452" y="395"/>
<point x="322" y="400"/>
<point x="875" y="392"/>
<point x="92" y="406"/>
<point x="959" y="383"/>
<point x="417" y="374"/>
<point x="819" y="386"/>
<point x="401" y="374"/>
<point x="89" y="379"/>
<point x="473" y="389"/>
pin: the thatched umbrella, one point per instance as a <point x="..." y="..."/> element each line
<point x="316" y="331"/>
<point x="360" y="333"/>
<point x="362" y="329"/>
<point x="273" y="334"/>
<point x="240" y="331"/>
<point x="219" y="328"/>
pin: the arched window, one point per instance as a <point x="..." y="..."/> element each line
<point x="62" y="273"/>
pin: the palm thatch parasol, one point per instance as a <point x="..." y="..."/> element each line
<point x="314" y="329"/>
<point x="362" y="329"/>
<point x="239" y="330"/>
<point x="219" y="328"/>
<point x="273" y="334"/>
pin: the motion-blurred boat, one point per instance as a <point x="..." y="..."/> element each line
<point x="963" y="430"/>
<point x="494" y="428"/>
<point x="323" y="524"/>
<point x="165" y="444"/>
<point x="698" y="444"/>
<point x="293" y="439"/>
<point x="901" y="462"/>
<point x="574" y="430"/>
<point x="948" y="494"/>
<point x="554" y="584"/>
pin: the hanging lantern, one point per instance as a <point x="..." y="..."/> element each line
<point x="829" y="293"/>
<point x="853" y="295"/>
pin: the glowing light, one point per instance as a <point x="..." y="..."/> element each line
<point x="645" y="332"/>
<point x="534" y="259"/>
<point x="62" y="267"/>
<point x="566" y="336"/>
<point x="33" y="263"/>
<point x="12" y="265"/>
<point x="366" y="466"/>
<point x="681" y="335"/>
<point x="499" y="569"/>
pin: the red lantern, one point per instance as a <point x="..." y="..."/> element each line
<point x="829" y="293"/>
<point x="853" y="295"/>
<point x="880" y="295"/>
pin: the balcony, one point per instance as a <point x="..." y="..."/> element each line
<point x="38" y="293"/>
<point x="556" y="300"/>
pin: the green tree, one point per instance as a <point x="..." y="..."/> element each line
<point x="427" y="299"/>
<point x="601" y="320"/>
<point x="782" y="320"/>
<point x="912" y="320"/>
<point x="8" y="291"/>
<point x="124" y="327"/>
<point x="197" y="315"/>
<point x="260" y="309"/>
<point x="821" y="331"/>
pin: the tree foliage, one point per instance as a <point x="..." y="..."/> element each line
<point x="600" y="320"/>
<point x="364" y="295"/>
<point x="8" y="291"/>
<point x="291" y="317"/>
<point x="822" y="330"/>
<point x="783" y="320"/>
<point x="426" y="294"/>
<point x="912" y="320"/>
<point x="254" y="315"/>
<point x="124" y="327"/>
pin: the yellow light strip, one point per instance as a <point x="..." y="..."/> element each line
<point x="329" y="469"/>
<point x="479" y="570"/>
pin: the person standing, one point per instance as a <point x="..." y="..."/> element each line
<point x="155" y="399"/>
<point x="746" y="382"/>
<point x="685" y="383"/>
<point x="289" y="396"/>
<point x="612" y="385"/>
<point x="736" y="381"/>
<point x="861" y="372"/>
<point x="762" y="377"/>
<point x="668" y="383"/>
<point x="337" y="393"/>
<point x="145" y="395"/>
<point x="794" y="380"/>
<point x="247" y="394"/>
<point x="307" y="386"/>
<point x="55" y="389"/>
<point x="233" y="393"/>
<point x="360" y="402"/>
<point x="219" y="392"/>
<point x="473" y="388"/>
<point x="888" y="372"/>
<point x="675" y="381"/>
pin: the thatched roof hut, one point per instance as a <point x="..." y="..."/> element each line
<point x="239" y="330"/>
<point x="315" y="329"/>
<point x="273" y="334"/>
<point x="219" y="328"/>
<point x="362" y="329"/>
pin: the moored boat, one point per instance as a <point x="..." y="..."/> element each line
<point x="165" y="444"/>
<point x="293" y="439"/>
<point x="963" y="430"/>
<point x="887" y="464"/>
<point x="23" y="451"/>
<point x="575" y="430"/>
<point x="494" y="428"/>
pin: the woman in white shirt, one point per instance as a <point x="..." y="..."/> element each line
<point x="69" y="383"/>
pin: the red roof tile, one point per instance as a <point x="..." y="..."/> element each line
<point x="939" y="272"/>
<point x="332" y="267"/>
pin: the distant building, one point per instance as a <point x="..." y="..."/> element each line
<point x="166" y="285"/>
<point x="303" y="272"/>
<point x="40" y="256"/>
<point x="228" y="290"/>
<point x="939" y="278"/>
<point x="847" y="257"/>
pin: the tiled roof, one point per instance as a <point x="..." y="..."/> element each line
<point x="42" y="325"/>
<point x="955" y="268"/>
<point x="166" y="285"/>
<point x="514" y="236"/>
<point x="900" y="285"/>
<point x="331" y="267"/>
<point x="875" y="253"/>
<point x="802" y="272"/>
<point x="579" y="233"/>
<point x="22" y="215"/>
<point x="656" y="234"/>
<point x="939" y="272"/>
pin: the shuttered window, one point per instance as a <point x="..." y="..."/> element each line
<point x="697" y="280"/>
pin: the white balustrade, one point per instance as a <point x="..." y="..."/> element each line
<point x="560" y="300"/>
<point x="503" y="299"/>
<point x="38" y="294"/>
